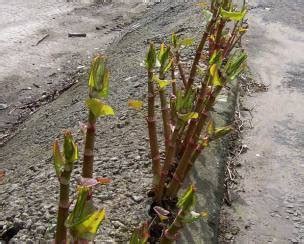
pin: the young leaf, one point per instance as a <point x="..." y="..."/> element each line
<point x="58" y="159"/>
<point x="70" y="148"/>
<point x="150" y="60"/>
<point x="161" y="83"/>
<point x="235" y="65"/>
<point x="84" y="219"/>
<point x="216" y="58"/>
<point x="188" y="116"/>
<point x="99" y="77"/>
<point x="236" y="16"/>
<point x="98" y="108"/>
<point x="88" y="228"/>
<point x="187" y="200"/>
<point x="135" y="104"/>
<point x="216" y="81"/>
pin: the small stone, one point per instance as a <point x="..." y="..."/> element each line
<point x="40" y="230"/>
<point x="235" y="230"/>
<point x="114" y="159"/>
<point x="44" y="93"/>
<point x="137" y="157"/>
<point x="137" y="84"/>
<point x="137" y="199"/>
<point x="3" y="106"/>
<point x="294" y="241"/>
<point x="117" y="224"/>
<point x="228" y="236"/>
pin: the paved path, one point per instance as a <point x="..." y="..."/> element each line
<point x="271" y="210"/>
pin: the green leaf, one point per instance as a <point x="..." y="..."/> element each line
<point x="135" y="104"/>
<point x="70" y="148"/>
<point x="161" y="83"/>
<point x="216" y="81"/>
<point x="187" y="201"/>
<point x="236" y="16"/>
<point x="186" y="42"/>
<point x="58" y="159"/>
<point x="184" y="102"/>
<point x="216" y="58"/>
<point x="188" y="116"/>
<point x="98" y="108"/>
<point x="89" y="227"/>
<point x="168" y="66"/>
<point x="235" y="65"/>
<point x="84" y="219"/>
<point x="150" y="60"/>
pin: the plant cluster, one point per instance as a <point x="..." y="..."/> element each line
<point x="187" y="98"/>
<point x="84" y="219"/>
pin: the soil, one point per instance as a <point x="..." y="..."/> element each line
<point x="29" y="189"/>
<point x="267" y="204"/>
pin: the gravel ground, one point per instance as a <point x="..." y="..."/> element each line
<point x="29" y="191"/>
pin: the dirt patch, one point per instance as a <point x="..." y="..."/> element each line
<point x="40" y="60"/>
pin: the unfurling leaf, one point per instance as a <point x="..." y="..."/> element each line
<point x="184" y="102"/>
<point x="163" y="55"/>
<point x="150" y="60"/>
<point x="188" y="116"/>
<point x="135" y="104"/>
<point x="235" y="65"/>
<point x="85" y="219"/>
<point x="70" y="148"/>
<point x="236" y="16"/>
<point x="99" y="77"/>
<point x="161" y="83"/>
<point x="187" y="200"/>
<point x="216" y="81"/>
<point x="58" y="159"/>
<point x="98" y="108"/>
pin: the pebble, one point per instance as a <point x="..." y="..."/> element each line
<point x="137" y="199"/>
<point x="3" y="106"/>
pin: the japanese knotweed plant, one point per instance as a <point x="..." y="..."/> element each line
<point x="84" y="219"/>
<point x="187" y="98"/>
